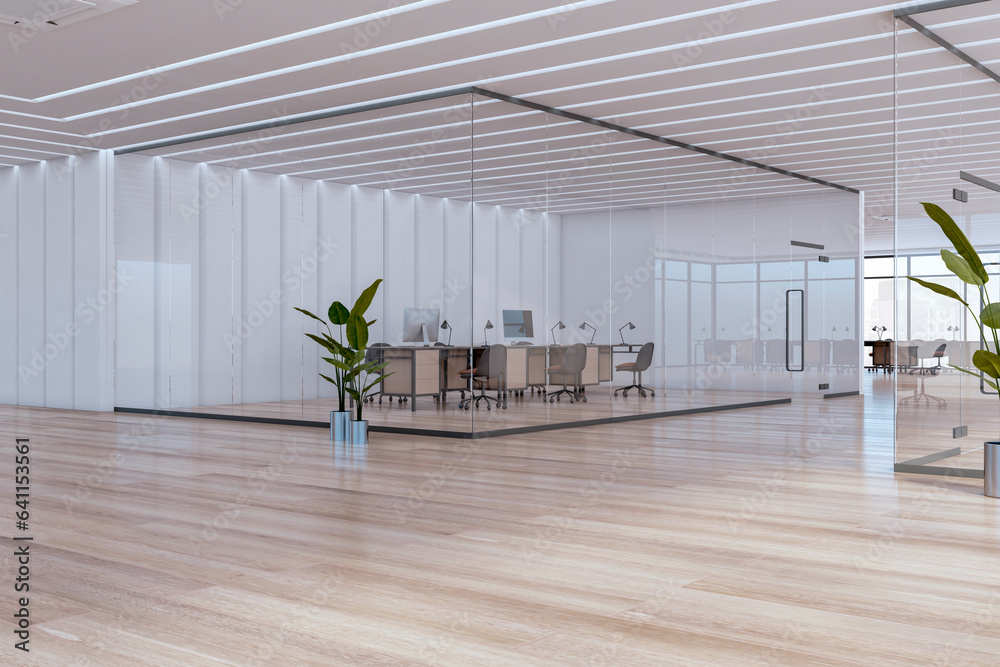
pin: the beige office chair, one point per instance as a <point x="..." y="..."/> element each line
<point x="642" y="361"/>
<point x="492" y="365"/>
<point x="573" y="363"/>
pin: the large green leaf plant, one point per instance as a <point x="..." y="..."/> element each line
<point x="966" y="264"/>
<point x="352" y="374"/>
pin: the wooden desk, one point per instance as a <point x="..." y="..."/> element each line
<point x="434" y="371"/>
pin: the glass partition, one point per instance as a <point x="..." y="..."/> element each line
<point x="947" y="149"/>
<point x="616" y="276"/>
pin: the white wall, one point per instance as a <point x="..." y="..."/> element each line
<point x="56" y="241"/>
<point x="225" y="256"/>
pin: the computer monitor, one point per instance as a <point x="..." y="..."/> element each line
<point x="421" y="325"/>
<point x="518" y="324"/>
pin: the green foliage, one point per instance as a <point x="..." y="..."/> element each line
<point x="958" y="239"/>
<point x="352" y="374"/>
<point x="968" y="267"/>
<point x="940" y="289"/>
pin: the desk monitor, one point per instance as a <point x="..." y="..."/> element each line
<point x="517" y="324"/>
<point x="421" y="325"/>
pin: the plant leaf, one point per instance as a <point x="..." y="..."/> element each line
<point x="957" y="238"/>
<point x="338" y="314"/>
<point x="366" y="298"/>
<point x="306" y="312"/>
<point x="976" y="375"/>
<point x="940" y="289"/>
<point x="990" y="316"/>
<point x="960" y="268"/>
<point x="357" y="332"/>
<point x="988" y="362"/>
<point x="322" y="341"/>
<point x="334" y="382"/>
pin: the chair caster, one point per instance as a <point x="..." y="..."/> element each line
<point x="505" y="405"/>
<point x="642" y="393"/>
<point x="625" y="394"/>
<point x="653" y="394"/>
<point x="584" y="399"/>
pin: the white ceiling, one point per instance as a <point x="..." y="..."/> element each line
<point x="798" y="84"/>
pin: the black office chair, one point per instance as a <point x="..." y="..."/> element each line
<point x="573" y="363"/>
<point x="642" y="361"/>
<point x="492" y="365"/>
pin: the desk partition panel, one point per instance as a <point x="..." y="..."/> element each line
<point x="491" y="221"/>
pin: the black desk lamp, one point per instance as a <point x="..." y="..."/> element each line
<point x="445" y="325"/>
<point x="630" y="327"/>
<point x="489" y="325"/>
<point x="553" y="330"/>
<point x="584" y="327"/>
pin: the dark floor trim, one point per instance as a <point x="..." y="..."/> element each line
<point x="964" y="473"/>
<point x="931" y="458"/>
<point x="842" y="394"/>
<point x="464" y="435"/>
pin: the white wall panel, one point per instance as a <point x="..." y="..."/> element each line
<point x="54" y="245"/>
<point x="186" y="201"/>
<point x="292" y="256"/>
<point x="308" y="272"/>
<point x="334" y="232"/>
<point x="135" y="221"/>
<point x="219" y="215"/>
<point x="484" y="271"/>
<point x="9" y="372"/>
<point x="261" y="287"/>
<point x="367" y="258"/>
<point x="507" y="280"/>
<point x="458" y="270"/>
<point x="60" y="323"/>
<point x="399" y="288"/>
<point x="31" y="284"/>
<point x="429" y="253"/>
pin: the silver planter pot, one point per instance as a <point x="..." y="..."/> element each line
<point x="340" y="425"/>
<point x="991" y="469"/>
<point x="359" y="432"/>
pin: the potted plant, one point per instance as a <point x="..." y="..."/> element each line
<point x="967" y="266"/>
<point x="351" y="370"/>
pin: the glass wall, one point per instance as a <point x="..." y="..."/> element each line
<point x="616" y="276"/>
<point x="948" y="125"/>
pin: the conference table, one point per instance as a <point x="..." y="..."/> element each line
<point x="415" y="371"/>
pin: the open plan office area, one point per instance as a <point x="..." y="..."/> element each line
<point x="541" y="333"/>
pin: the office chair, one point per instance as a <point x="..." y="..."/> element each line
<point x="573" y="363"/>
<point x="492" y="366"/>
<point x="642" y="361"/>
<point x="938" y="354"/>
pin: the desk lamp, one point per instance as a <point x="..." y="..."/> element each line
<point x="584" y="327"/>
<point x="553" y="330"/>
<point x="630" y="328"/>
<point x="445" y="325"/>
<point x="489" y="325"/>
